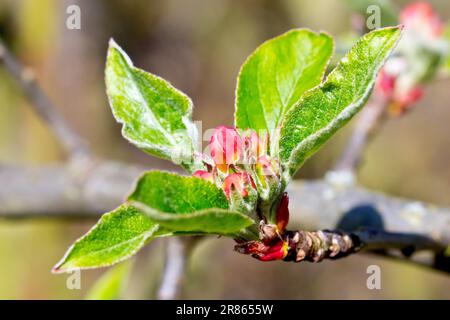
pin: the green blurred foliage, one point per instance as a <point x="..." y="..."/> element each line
<point x="112" y="284"/>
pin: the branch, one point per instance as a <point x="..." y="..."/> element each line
<point x="73" y="190"/>
<point x="321" y="205"/>
<point x="177" y="254"/>
<point x="86" y="191"/>
<point x="316" y="246"/>
<point x="26" y="79"/>
<point x="65" y="190"/>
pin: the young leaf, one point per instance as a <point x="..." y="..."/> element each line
<point x="326" y="108"/>
<point x="172" y="193"/>
<point x="117" y="235"/>
<point x="208" y="221"/>
<point x="156" y="117"/>
<point x="274" y="77"/>
<point x="110" y="285"/>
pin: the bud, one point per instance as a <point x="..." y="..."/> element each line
<point x="386" y="83"/>
<point x="266" y="168"/>
<point x="401" y="102"/>
<point x="254" y="145"/>
<point x="282" y="216"/>
<point x="398" y="85"/>
<point x="421" y="18"/>
<point x="205" y="175"/>
<point x="277" y="250"/>
<point x="226" y="147"/>
<point x="241" y="182"/>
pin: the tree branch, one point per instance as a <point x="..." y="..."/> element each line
<point x="68" y="191"/>
<point x="319" y="245"/>
<point x="321" y="204"/>
<point x="73" y="190"/>
<point x="315" y="246"/>
<point x="26" y="79"/>
<point x="178" y="251"/>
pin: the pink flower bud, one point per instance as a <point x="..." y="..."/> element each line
<point x="254" y="145"/>
<point x="239" y="182"/>
<point x="421" y="17"/>
<point x="386" y="83"/>
<point x="267" y="167"/>
<point x="400" y="98"/>
<point x="226" y="147"/>
<point x="205" y="175"/>
<point x="402" y="101"/>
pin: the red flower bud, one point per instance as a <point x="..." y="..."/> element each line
<point x="421" y="17"/>
<point x="264" y="252"/>
<point x="283" y="213"/>
<point x="239" y="182"/>
<point x="226" y="147"/>
<point x="204" y="175"/>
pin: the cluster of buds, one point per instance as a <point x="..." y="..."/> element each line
<point x="401" y="80"/>
<point x="400" y="94"/>
<point x="421" y="18"/>
<point x="240" y="164"/>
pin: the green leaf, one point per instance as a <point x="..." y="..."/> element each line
<point x="208" y="221"/>
<point x="326" y="108"/>
<point x="156" y="117"/>
<point x="186" y="204"/>
<point x="172" y="193"/>
<point x="111" y="284"/>
<point x="117" y="236"/>
<point x="274" y="77"/>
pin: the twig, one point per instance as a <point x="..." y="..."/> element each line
<point x="317" y="204"/>
<point x="315" y="246"/>
<point x="319" y="245"/>
<point x="65" y="190"/>
<point x="177" y="254"/>
<point x="367" y="122"/>
<point x="25" y="77"/>
<point x="320" y="205"/>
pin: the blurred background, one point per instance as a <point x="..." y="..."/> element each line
<point x="199" y="46"/>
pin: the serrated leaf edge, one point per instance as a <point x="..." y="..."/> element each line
<point x="58" y="267"/>
<point x="344" y="115"/>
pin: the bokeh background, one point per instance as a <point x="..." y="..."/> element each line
<point x="199" y="46"/>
